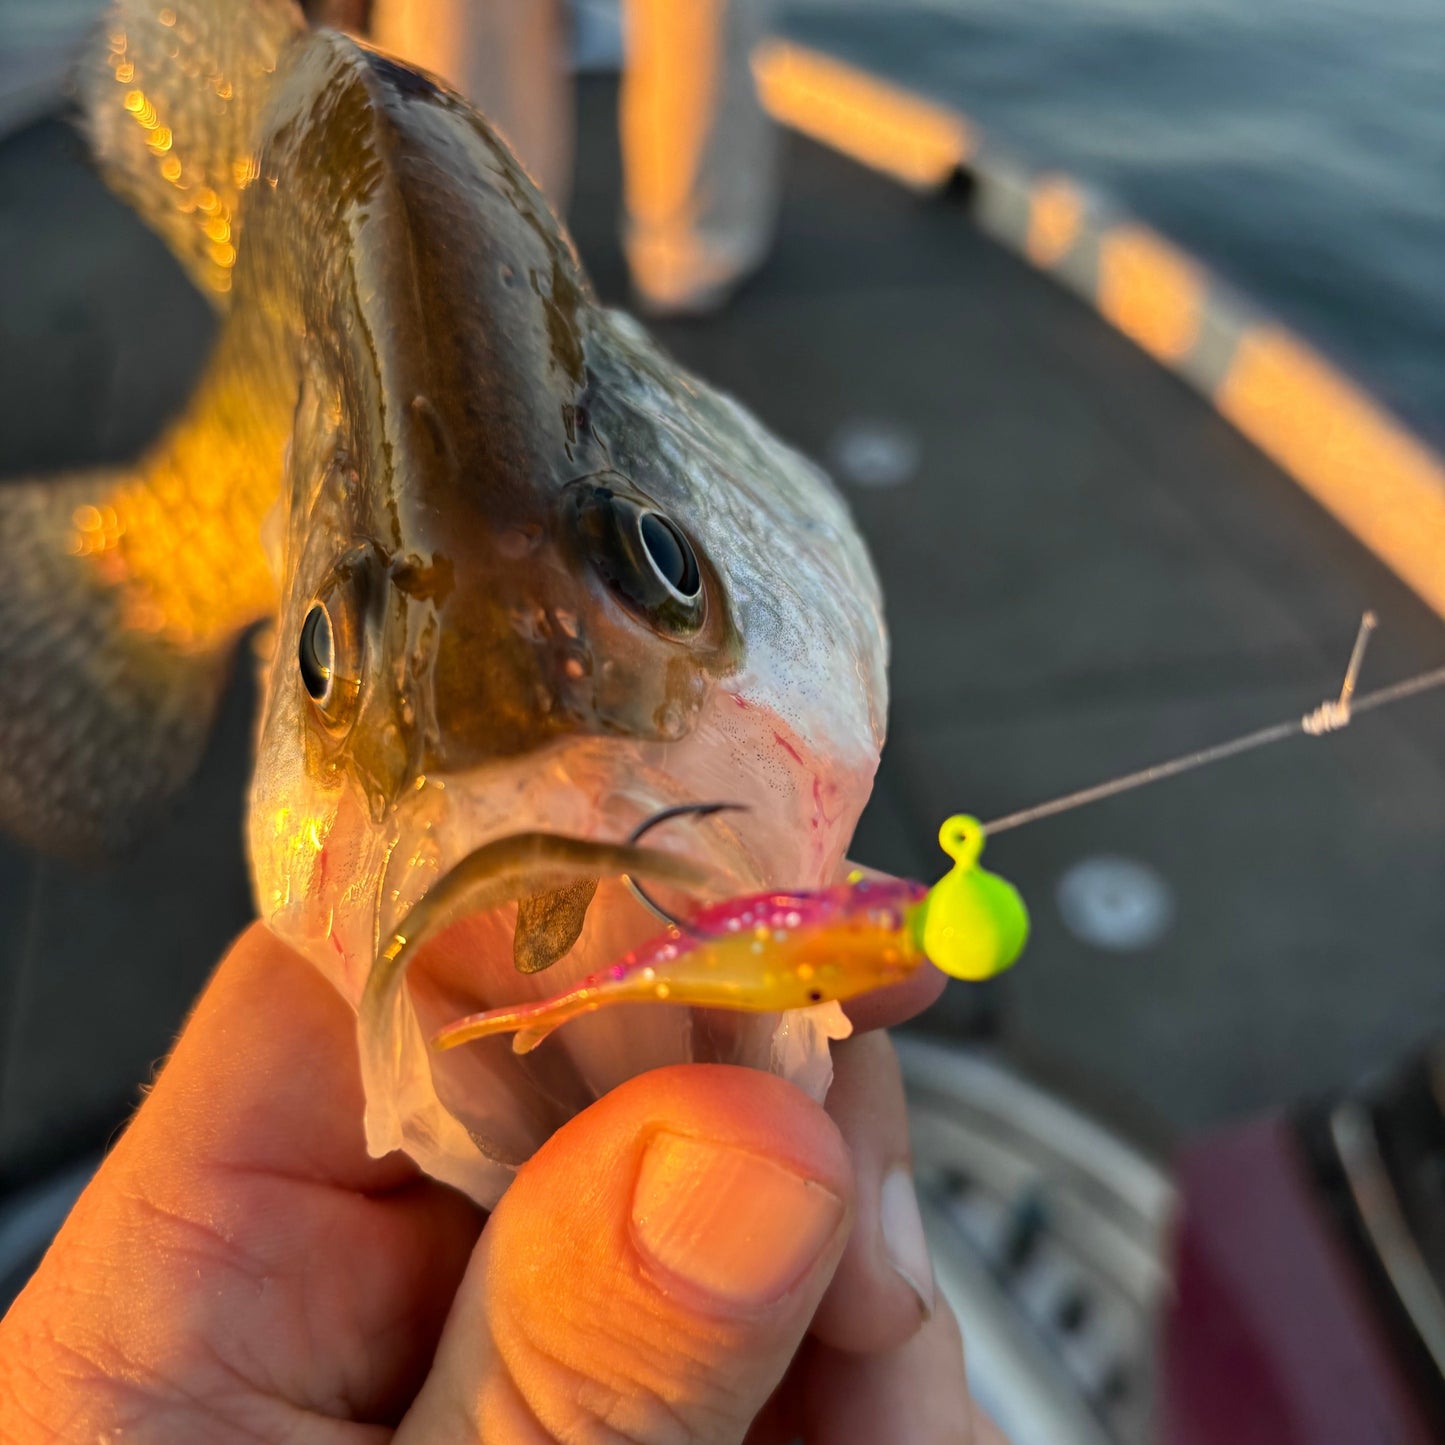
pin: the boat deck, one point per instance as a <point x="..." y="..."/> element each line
<point x="1086" y="571"/>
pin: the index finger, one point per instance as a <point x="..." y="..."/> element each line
<point x="899" y="1002"/>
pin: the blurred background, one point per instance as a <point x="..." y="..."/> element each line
<point x="1118" y="322"/>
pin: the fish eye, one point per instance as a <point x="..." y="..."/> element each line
<point x="316" y="654"/>
<point x="330" y="646"/>
<point x="645" y="557"/>
<point x="670" y="553"/>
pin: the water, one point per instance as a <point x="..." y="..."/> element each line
<point x="1298" y="146"/>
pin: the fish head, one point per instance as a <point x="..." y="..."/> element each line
<point x="536" y="579"/>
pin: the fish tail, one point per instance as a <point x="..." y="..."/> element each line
<point x="171" y="95"/>
<point x="103" y="711"/>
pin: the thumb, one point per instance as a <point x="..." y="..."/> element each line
<point x="651" y="1272"/>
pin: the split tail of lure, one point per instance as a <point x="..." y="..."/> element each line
<point x="529" y="1024"/>
<point x="125" y="588"/>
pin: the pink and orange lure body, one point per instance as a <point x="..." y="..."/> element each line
<point x="768" y="952"/>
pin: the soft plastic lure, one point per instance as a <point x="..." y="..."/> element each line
<point x="775" y="951"/>
<point x="768" y="952"/>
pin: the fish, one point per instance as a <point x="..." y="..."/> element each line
<point x="778" y="951"/>
<point x="524" y="582"/>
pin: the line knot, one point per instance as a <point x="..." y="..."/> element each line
<point x="1328" y="717"/>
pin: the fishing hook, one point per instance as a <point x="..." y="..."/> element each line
<point x="679" y="810"/>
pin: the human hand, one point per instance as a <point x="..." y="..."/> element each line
<point x="239" y="1269"/>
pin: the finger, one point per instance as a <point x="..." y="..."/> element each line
<point x="780" y="1422"/>
<point x="916" y="1393"/>
<point x="650" y="1273"/>
<point x="265" y="1077"/>
<point x="218" y="1249"/>
<point x="883" y="1290"/>
<point x="885" y="1008"/>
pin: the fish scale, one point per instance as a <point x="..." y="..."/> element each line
<point x="172" y="97"/>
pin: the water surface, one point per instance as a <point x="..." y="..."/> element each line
<point x="1296" y="145"/>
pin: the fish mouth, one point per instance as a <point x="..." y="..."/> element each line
<point x="451" y="951"/>
<point x="458" y="928"/>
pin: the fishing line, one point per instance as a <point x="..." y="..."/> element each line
<point x="1330" y="716"/>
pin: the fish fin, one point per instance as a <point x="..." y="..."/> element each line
<point x="171" y="100"/>
<point x="102" y="716"/>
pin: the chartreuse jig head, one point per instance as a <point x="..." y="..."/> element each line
<point x="971" y="924"/>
